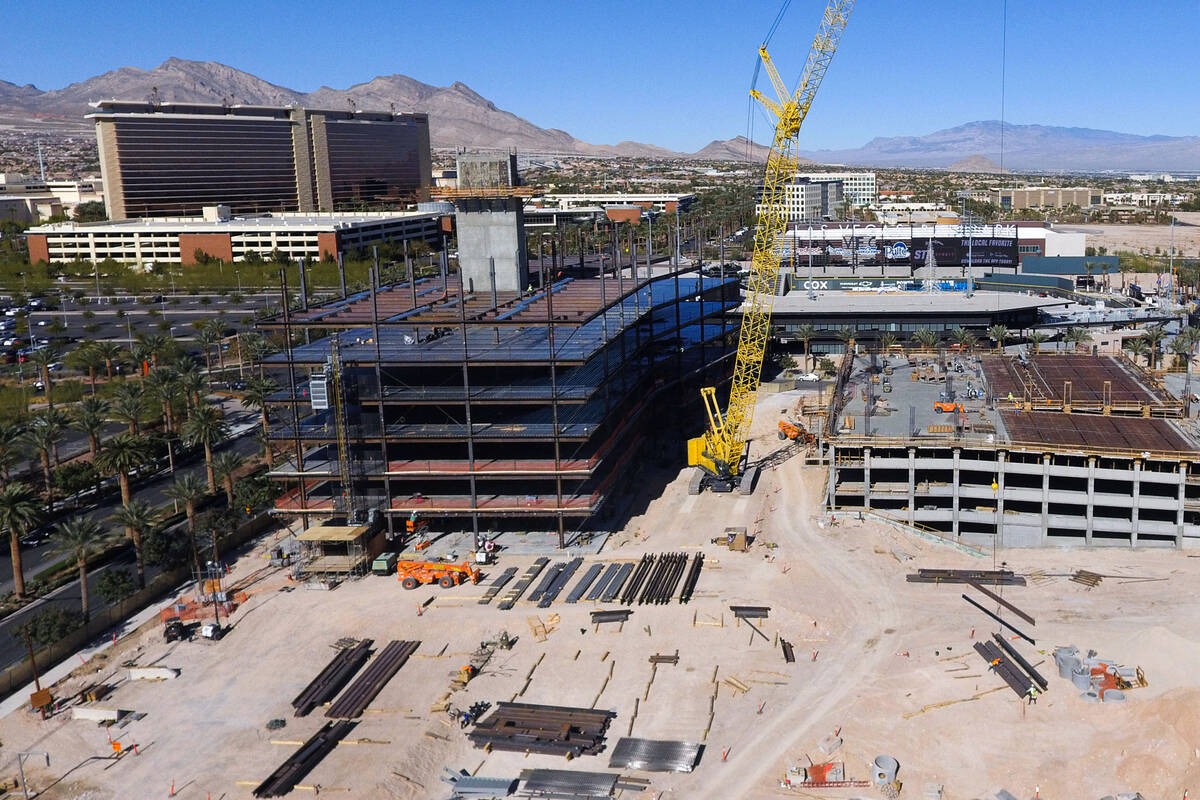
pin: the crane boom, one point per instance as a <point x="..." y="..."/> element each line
<point x="719" y="451"/>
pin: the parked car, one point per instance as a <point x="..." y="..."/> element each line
<point x="810" y="376"/>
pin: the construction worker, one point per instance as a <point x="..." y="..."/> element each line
<point x="993" y="664"/>
<point x="1011" y="399"/>
<point x="1033" y="693"/>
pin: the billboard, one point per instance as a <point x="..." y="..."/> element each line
<point x="984" y="251"/>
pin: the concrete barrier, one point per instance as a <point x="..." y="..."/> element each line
<point x="95" y="714"/>
<point x="152" y="673"/>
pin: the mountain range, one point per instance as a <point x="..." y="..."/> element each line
<point x="460" y="117"/>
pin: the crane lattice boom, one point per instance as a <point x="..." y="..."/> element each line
<point x="719" y="451"/>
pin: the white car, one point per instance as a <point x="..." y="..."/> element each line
<point x="810" y="376"/>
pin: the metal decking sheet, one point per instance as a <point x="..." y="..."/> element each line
<point x="654" y="755"/>
<point x="614" y="587"/>
<point x="605" y="580"/>
<point x="584" y="583"/>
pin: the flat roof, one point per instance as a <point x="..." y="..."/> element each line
<point x="333" y="533"/>
<point x="1092" y="430"/>
<point x="874" y="302"/>
<point x="1046" y="376"/>
<point x="299" y="222"/>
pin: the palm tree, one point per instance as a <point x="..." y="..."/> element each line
<point x="85" y="357"/>
<point x="163" y="385"/>
<point x="1138" y="346"/>
<point x="926" y="338"/>
<point x="121" y="456"/>
<point x="193" y="383"/>
<point x="1076" y="336"/>
<point x="887" y="341"/>
<point x="42" y="358"/>
<point x="43" y="435"/>
<point x="90" y="416"/>
<point x="998" y="333"/>
<point x="80" y="538"/>
<point x="1036" y="340"/>
<point x="1181" y="349"/>
<point x="805" y="333"/>
<point x="225" y="466"/>
<point x="189" y="489"/>
<point x="128" y="405"/>
<point x="20" y="510"/>
<point x="205" y="337"/>
<point x="153" y="347"/>
<point x="206" y="426"/>
<point x="1153" y="336"/>
<point x="218" y="333"/>
<point x="11" y="445"/>
<point x="259" y="389"/>
<point x="964" y="339"/>
<point x="137" y="517"/>
<point x="109" y="352"/>
<point x="257" y="348"/>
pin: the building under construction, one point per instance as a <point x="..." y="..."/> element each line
<point x="491" y="410"/>
<point x="1018" y="451"/>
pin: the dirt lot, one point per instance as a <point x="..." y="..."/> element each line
<point x="1139" y="238"/>
<point x="877" y="658"/>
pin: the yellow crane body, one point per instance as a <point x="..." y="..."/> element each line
<point x="720" y="451"/>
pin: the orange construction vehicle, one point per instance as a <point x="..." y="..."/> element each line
<point x="947" y="407"/>
<point x="414" y="573"/>
<point x="794" y="431"/>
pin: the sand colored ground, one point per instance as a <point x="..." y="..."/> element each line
<point x="1144" y="238"/>
<point x="884" y="649"/>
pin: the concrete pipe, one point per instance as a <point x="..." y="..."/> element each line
<point x="884" y="769"/>
<point x="1067" y="665"/>
<point x="1081" y="676"/>
<point x="1090" y="696"/>
<point x="1113" y="696"/>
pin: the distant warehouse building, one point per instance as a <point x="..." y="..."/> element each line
<point x="217" y="234"/>
<point x="172" y="159"/>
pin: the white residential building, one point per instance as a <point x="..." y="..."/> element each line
<point x="858" y="187"/>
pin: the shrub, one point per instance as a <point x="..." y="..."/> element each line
<point x="115" y="585"/>
<point x="49" y="626"/>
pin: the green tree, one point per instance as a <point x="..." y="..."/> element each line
<point x="87" y="358"/>
<point x="137" y="517"/>
<point x="42" y="359"/>
<point x="110" y="353"/>
<point x="49" y="626"/>
<point x="206" y="426"/>
<point x="43" y="436"/>
<point x="226" y="466"/>
<point x="20" y="510"/>
<point x="12" y="447"/>
<point x="80" y="538"/>
<point x="257" y="391"/>
<point x="189" y="490"/>
<point x="92" y="211"/>
<point x="206" y="338"/>
<point x="964" y="338"/>
<point x="90" y="417"/>
<point x="1035" y="340"/>
<point x="122" y="455"/>
<point x="926" y="338"/>
<point x="1138" y="346"/>
<point x="1077" y="336"/>
<point x="887" y="341"/>
<point x="998" y="333"/>
<point x="1154" y="336"/>
<point x="128" y="405"/>
<point x="193" y="383"/>
<point x="805" y="333"/>
<point x="217" y="330"/>
<point x="115" y="585"/>
<point x="163" y="385"/>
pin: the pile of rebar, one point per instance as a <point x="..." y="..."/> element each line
<point x="689" y="583"/>
<point x="329" y="681"/>
<point x="660" y="586"/>
<point x="553" y="730"/>
<point x="301" y="762"/>
<point x="634" y="585"/>
<point x="355" y="699"/>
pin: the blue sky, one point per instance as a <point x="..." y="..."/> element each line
<point x="670" y="73"/>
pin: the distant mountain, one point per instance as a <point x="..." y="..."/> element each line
<point x="1026" y="147"/>
<point x="976" y="164"/>
<point x="458" y="115"/>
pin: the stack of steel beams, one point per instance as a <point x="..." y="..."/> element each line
<point x="1001" y="577"/>
<point x="640" y="574"/>
<point x="689" y="583"/>
<point x="584" y="583"/>
<point x="654" y="755"/>
<point x="514" y="594"/>
<point x="554" y="730"/>
<point x="559" y="582"/>
<point x="660" y="586"/>
<point x="356" y="698"/>
<point x="301" y="762"/>
<point x="329" y="681"/>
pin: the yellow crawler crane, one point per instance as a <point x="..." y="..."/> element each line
<point x="721" y="452"/>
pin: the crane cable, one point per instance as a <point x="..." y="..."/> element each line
<point x="750" y="104"/>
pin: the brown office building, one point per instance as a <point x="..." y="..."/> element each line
<point x="172" y="159"/>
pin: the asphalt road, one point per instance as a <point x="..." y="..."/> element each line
<point x="152" y="491"/>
